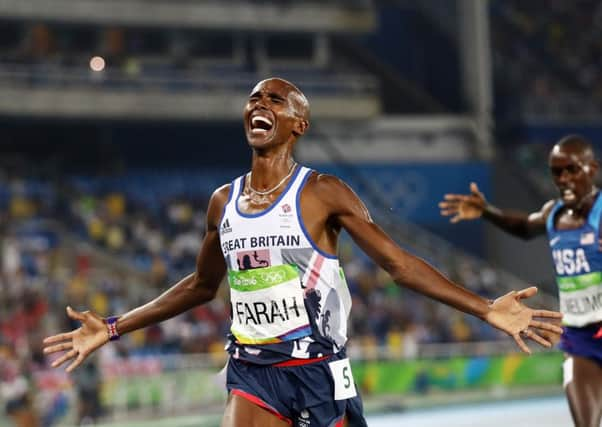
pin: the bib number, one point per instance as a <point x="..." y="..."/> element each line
<point x="344" y="386"/>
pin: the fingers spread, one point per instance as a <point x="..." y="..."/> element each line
<point x="58" y="338"/>
<point x="538" y="339"/>
<point x="527" y="292"/>
<point x="547" y="313"/>
<point x="58" y="347"/>
<point x="75" y="314"/>
<point x="454" y="197"/>
<point x="546" y="326"/>
<point x="456" y="219"/>
<point x="64" y="358"/>
<point x="76" y="362"/>
<point x="449" y="207"/>
<point x="448" y="212"/>
<point x="519" y="341"/>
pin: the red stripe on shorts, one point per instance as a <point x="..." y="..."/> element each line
<point x="299" y="362"/>
<point x="257" y="401"/>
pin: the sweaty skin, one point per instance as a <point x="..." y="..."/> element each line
<point x="275" y="116"/>
<point x="573" y="168"/>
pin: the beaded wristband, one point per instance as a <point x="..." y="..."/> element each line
<point x="111" y="323"/>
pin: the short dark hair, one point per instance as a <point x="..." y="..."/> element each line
<point x="577" y="143"/>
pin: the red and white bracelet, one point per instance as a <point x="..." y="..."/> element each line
<point x="111" y="323"/>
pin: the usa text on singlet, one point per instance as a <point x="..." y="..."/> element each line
<point x="578" y="263"/>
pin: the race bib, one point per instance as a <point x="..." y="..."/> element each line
<point x="268" y="305"/>
<point x="344" y="386"/>
<point x="581" y="299"/>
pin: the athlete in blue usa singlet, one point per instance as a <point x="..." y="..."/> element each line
<point x="577" y="259"/>
<point x="572" y="223"/>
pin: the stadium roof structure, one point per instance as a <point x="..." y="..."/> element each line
<point x="209" y="14"/>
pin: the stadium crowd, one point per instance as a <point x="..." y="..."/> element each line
<point x="549" y="52"/>
<point x="133" y="248"/>
<point x="44" y="270"/>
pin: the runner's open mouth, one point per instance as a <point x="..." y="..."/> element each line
<point x="260" y="124"/>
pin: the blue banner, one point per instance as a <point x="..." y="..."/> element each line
<point x="411" y="191"/>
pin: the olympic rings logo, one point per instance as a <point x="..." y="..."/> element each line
<point x="267" y="277"/>
<point x="272" y="277"/>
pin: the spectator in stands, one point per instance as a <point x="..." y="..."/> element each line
<point x="15" y="391"/>
<point x="550" y="55"/>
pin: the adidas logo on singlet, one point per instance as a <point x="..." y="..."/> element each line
<point x="226" y="226"/>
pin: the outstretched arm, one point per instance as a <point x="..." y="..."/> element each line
<point x="506" y="313"/>
<point x="194" y="289"/>
<point x="463" y="207"/>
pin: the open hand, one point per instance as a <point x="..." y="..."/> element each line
<point x="464" y="206"/>
<point x="79" y="343"/>
<point x="510" y="315"/>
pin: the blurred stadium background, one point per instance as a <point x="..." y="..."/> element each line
<point x="119" y="117"/>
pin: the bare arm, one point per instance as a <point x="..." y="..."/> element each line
<point x="506" y="313"/>
<point x="405" y="268"/>
<point x="474" y="205"/>
<point x="194" y="289"/>
<point x="519" y="224"/>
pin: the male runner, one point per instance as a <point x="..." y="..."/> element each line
<point x="572" y="222"/>
<point x="289" y="319"/>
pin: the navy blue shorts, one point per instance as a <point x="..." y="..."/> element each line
<point x="301" y="395"/>
<point x="585" y="341"/>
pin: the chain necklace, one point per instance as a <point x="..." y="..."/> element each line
<point x="263" y="194"/>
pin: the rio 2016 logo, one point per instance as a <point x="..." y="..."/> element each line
<point x="272" y="277"/>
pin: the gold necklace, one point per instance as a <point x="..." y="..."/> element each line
<point x="263" y="194"/>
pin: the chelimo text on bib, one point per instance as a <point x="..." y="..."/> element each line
<point x="581" y="298"/>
